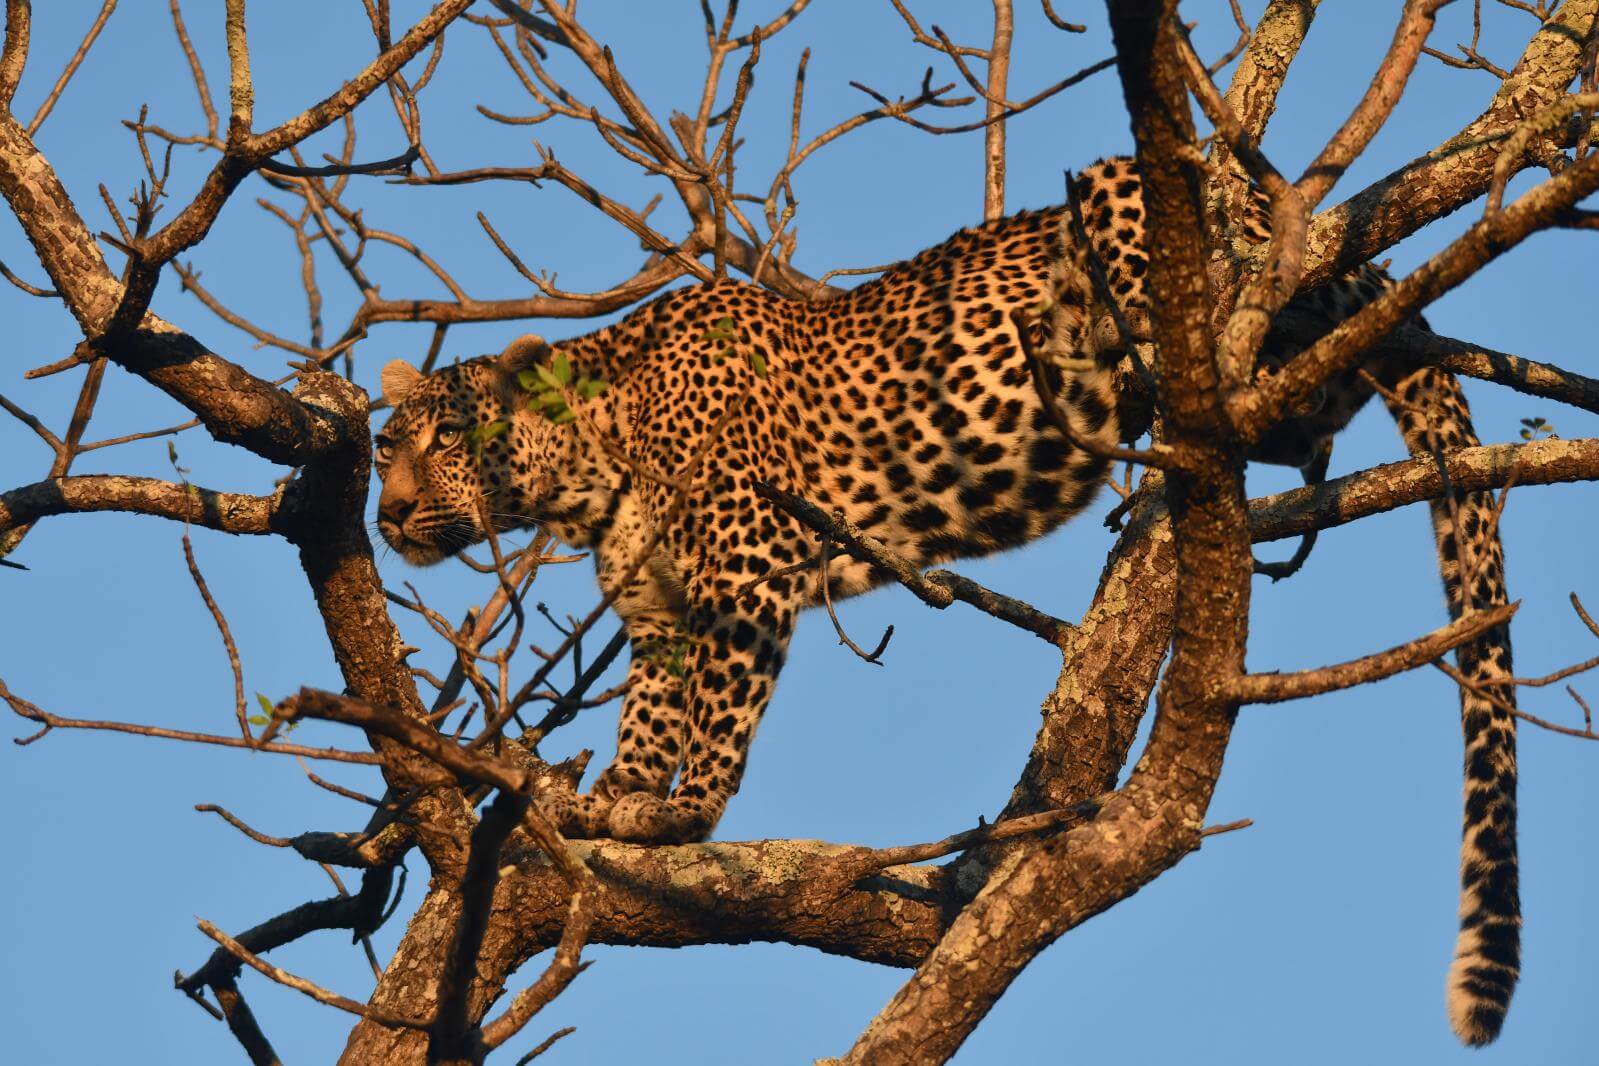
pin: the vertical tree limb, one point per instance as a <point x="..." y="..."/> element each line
<point x="994" y="134"/>
<point x="19" y="23"/>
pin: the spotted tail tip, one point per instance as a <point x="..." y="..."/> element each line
<point x="1479" y="990"/>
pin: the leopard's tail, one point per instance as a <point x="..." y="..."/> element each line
<point x="1433" y="418"/>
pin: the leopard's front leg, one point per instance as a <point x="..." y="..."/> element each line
<point x="650" y="734"/>
<point x="738" y="643"/>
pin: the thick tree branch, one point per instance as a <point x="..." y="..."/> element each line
<point x="1156" y="819"/>
<point x="1383" y="488"/>
<point x="230" y="512"/>
<point x="241" y="1022"/>
<point x="1457" y="171"/>
<point x="1252" y="95"/>
<point x="1512" y="371"/>
<point x="1254" y="410"/>
<point x="19" y="25"/>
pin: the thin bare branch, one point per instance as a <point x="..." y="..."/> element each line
<point x="200" y="85"/>
<point x="994" y="133"/>
<point x="300" y="984"/>
<point x="71" y="68"/>
<point x="31" y="290"/>
<point x="239" y="824"/>
<point x="1387" y="85"/>
<point x="1275" y="688"/>
<point x="221" y="621"/>
<point x="51" y="721"/>
<point x="937" y="588"/>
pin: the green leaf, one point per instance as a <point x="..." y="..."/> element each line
<point x="563" y="416"/>
<point x="758" y="364"/>
<point x="481" y="435"/>
<point x="721" y="330"/>
<point x="528" y="380"/>
<point x="266" y="705"/>
<point x="562" y="369"/>
<point x="259" y="719"/>
<point x="549" y="379"/>
<point x="589" y="388"/>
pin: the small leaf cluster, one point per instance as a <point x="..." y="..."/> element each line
<point x="723" y="332"/>
<point x="1537" y="429"/>
<point x="669" y="653"/>
<point x="478" y="436"/>
<point x="547" y="387"/>
<point x="267" y="715"/>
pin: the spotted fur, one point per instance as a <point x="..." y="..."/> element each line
<point x="907" y="405"/>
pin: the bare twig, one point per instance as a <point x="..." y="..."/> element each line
<point x="824" y="582"/>
<point x="221" y="621"/>
<point x="1009" y="829"/>
<point x="1487" y="693"/>
<point x="50" y="721"/>
<point x="239" y="824"/>
<point x="1387" y="85"/>
<point x="31" y="290"/>
<point x="300" y="984"/>
<point x="937" y="588"/>
<point x="1274" y="688"/>
<point x="196" y="70"/>
<point x="71" y="68"/>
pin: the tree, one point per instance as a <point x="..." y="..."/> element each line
<point x="502" y="886"/>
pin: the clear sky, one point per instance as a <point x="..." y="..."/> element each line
<point x="1321" y="935"/>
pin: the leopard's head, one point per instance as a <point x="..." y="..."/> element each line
<point x="460" y="450"/>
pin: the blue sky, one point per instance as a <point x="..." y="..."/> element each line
<point x="1320" y="935"/>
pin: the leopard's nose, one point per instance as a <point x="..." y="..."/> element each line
<point x="396" y="510"/>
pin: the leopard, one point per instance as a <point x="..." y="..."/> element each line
<point x="907" y="407"/>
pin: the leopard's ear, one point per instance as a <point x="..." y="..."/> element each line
<point x="398" y="379"/>
<point x="524" y="352"/>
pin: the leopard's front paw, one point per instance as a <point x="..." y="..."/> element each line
<point x="575" y="814"/>
<point x="645" y="818"/>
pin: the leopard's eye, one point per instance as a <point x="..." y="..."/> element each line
<point x="385" y="451"/>
<point x="448" y="437"/>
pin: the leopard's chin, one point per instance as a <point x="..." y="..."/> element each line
<point x="419" y="552"/>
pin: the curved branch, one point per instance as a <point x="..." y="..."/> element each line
<point x="1275" y="688"/>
